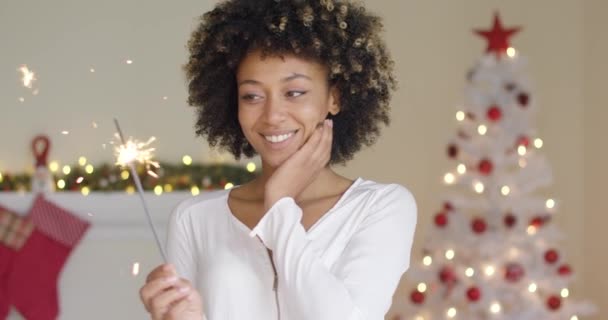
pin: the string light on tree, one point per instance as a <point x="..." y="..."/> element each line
<point x="460" y="116"/>
<point x="449" y="178"/>
<point x="495" y="307"/>
<point x="449" y="254"/>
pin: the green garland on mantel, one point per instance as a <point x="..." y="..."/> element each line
<point x="110" y="177"/>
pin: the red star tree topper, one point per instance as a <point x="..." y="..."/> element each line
<point x="497" y="37"/>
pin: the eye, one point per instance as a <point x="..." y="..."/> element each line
<point x="250" y="97"/>
<point x="294" y="94"/>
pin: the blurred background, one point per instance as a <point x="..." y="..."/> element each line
<point x="93" y="61"/>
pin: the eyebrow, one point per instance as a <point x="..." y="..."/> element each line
<point x="286" y="79"/>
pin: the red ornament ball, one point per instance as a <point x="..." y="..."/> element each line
<point x="473" y="294"/>
<point x="551" y="256"/>
<point x="448" y="206"/>
<point x="446" y="275"/>
<point x="514" y="272"/>
<point x="539" y="221"/>
<point x="485" y="166"/>
<point x="479" y="225"/>
<point x="523" y="141"/>
<point x="510" y="220"/>
<point x="564" y="270"/>
<point x="554" y="302"/>
<point x="494" y="113"/>
<point x="417" y="297"/>
<point x="452" y="151"/>
<point x="441" y="219"/>
<point x="523" y="99"/>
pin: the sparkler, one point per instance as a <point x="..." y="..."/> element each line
<point x="129" y="152"/>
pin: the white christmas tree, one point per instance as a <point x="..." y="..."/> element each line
<point x="493" y="252"/>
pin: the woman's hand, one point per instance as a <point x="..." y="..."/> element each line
<point x="300" y="169"/>
<point x="168" y="297"/>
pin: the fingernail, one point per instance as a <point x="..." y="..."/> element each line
<point x="331" y="123"/>
<point x="171" y="279"/>
<point x="183" y="289"/>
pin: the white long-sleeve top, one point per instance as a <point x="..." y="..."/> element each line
<point x="346" y="266"/>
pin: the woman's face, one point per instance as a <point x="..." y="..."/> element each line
<point x="281" y="100"/>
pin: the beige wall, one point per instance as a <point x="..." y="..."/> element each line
<point x="596" y="153"/>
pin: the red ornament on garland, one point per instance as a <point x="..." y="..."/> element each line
<point x="514" y="272"/>
<point x="497" y="37"/>
<point x="494" y="113"/>
<point x="564" y="270"/>
<point x="510" y="220"/>
<point x="551" y="256"/>
<point x="523" y="99"/>
<point x="473" y="294"/>
<point x="417" y="297"/>
<point x="554" y="302"/>
<point x="479" y="225"/>
<point x="441" y="219"/>
<point x="452" y="151"/>
<point x="485" y="167"/>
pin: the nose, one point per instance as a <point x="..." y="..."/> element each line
<point x="274" y="111"/>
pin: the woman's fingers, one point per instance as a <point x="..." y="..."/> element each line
<point x="182" y="306"/>
<point x="154" y="288"/>
<point x="164" y="301"/>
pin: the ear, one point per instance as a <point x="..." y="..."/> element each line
<point x="334" y="101"/>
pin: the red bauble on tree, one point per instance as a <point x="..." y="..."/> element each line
<point x="523" y="141"/>
<point x="478" y="225"/>
<point x="494" y="113"/>
<point x="540" y="221"/>
<point x="551" y="256"/>
<point x="452" y="151"/>
<point x="448" y="206"/>
<point x="554" y="302"/>
<point x="485" y="166"/>
<point x="510" y="220"/>
<point x="564" y="270"/>
<point x="473" y="294"/>
<point x="523" y="99"/>
<point x="447" y="275"/>
<point x="417" y="297"/>
<point x="441" y="219"/>
<point x="513" y="272"/>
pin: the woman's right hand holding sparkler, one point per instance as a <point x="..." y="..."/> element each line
<point x="168" y="297"/>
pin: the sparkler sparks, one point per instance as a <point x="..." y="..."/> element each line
<point x="28" y="77"/>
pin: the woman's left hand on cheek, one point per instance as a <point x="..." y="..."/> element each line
<point x="300" y="169"/>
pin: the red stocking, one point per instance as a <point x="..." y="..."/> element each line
<point x="32" y="283"/>
<point x="14" y="230"/>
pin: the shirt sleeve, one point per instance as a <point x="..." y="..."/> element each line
<point x="361" y="284"/>
<point x="179" y="248"/>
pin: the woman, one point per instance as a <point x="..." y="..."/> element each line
<point x="304" y="84"/>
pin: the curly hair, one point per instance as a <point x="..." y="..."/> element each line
<point x="340" y="35"/>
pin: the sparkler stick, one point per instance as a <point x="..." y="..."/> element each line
<point x="127" y="155"/>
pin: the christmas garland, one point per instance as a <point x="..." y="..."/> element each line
<point x="110" y="177"/>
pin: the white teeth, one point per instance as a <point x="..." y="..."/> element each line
<point x="279" y="138"/>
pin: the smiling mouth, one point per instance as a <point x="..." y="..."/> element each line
<point x="279" y="138"/>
